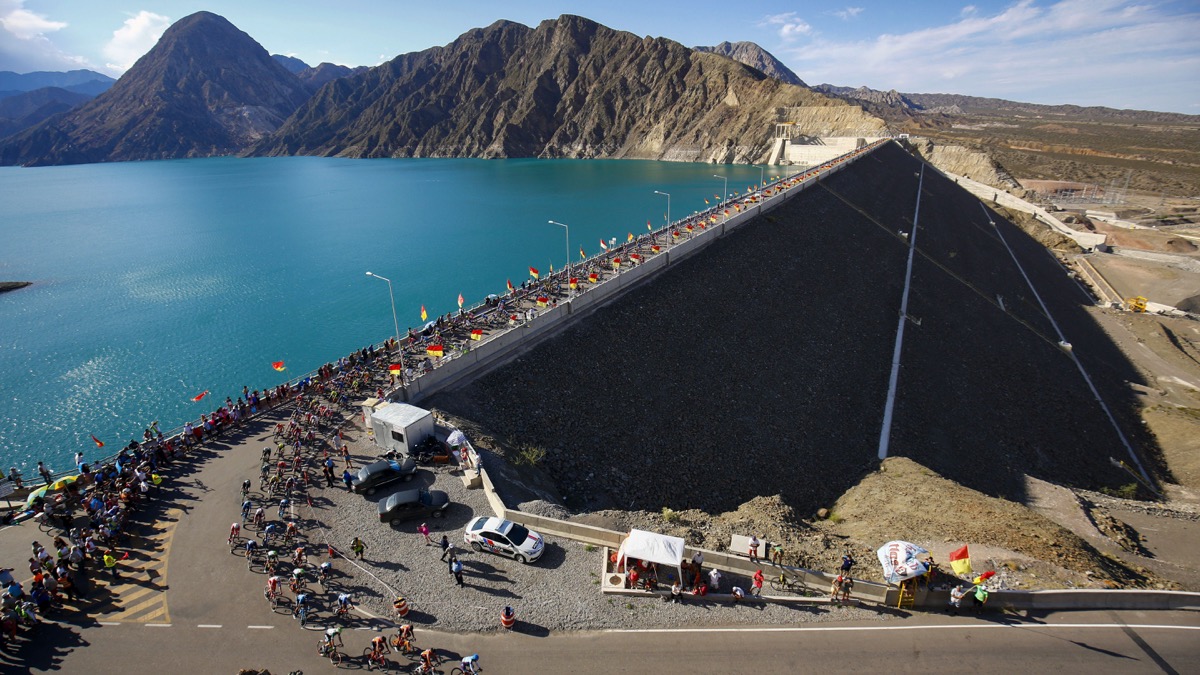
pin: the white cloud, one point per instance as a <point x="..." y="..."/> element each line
<point x="848" y="13"/>
<point x="1089" y="52"/>
<point x="25" y="44"/>
<point x="789" y="25"/>
<point x="134" y="38"/>
<point x="25" y="25"/>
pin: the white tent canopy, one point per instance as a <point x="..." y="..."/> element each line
<point x="652" y="547"/>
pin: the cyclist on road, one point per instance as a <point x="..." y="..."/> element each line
<point x="292" y="530"/>
<point x="333" y="633"/>
<point x="273" y="582"/>
<point x="379" y="646"/>
<point x="428" y="658"/>
<point x="266" y="457"/>
<point x="300" y="606"/>
<point x="269" y="532"/>
<point x="299" y="557"/>
<point x="470" y="664"/>
<point x="272" y="560"/>
<point x="345" y="602"/>
<point x="283" y="506"/>
<point x="246" y="506"/>
<point x="245" y="486"/>
<point x="259" y="517"/>
<point x="326" y="569"/>
<point x="251" y="547"/>
<point x="234" y="531"/>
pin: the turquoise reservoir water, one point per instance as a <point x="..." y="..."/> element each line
<point x="155" y="281"/>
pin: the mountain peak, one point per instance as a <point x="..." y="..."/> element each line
<point x="756" y="57"/>
<point x="206" y="88"/>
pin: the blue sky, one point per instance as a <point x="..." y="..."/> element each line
<point x="1125" y="54"/>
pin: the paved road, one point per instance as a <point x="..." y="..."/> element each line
<point x="187" y="605"/>
<point x="1134" y="642"/>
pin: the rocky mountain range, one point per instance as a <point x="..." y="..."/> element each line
<point x="568" y="88"/>
<point x="205" y="89"/>
<point x="957" y="104"/>
<point x="755" y="57"/>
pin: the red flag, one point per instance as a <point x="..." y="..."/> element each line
<point x="278" y="365"/>
<point x="534" y="273"/>
<point x="99" y="443"/>
<point x="510" y="286"/>
<point x="424" y="315"/>
<point x="201" y="395"/>
<point x="460" y="300"/>
<point x="434" y="350"/>
<point x="603" y="245"/>
<point x="477" y="334"/>
<point x="395" y="369"/>
<point x="960" y="561"/>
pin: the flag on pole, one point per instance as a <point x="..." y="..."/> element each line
<point x="201" y="395"/>
<point x="574" y="283"/>
<point x="582" y="255"/>
<point x="424" y="314"/>
<point x="434" y="350"/>
<point x="716" y="197"/>
<point x="534" y="273"/>
<point x="593" y="278"/>
<point x="648" y="228"/>
<point x="616" y="263"/>
<point x="395" y="369"/>
<point x="629" y="238"/>
<point x="706" y="201"/>
<point x="477" y="334"/>
<point x="99" y="443"/>
<point x="551" y="268"/>
<point x="603" y="245"/>
<point x="510" y="286"/>
<point x="460" y="300"/>
<point x="278" y="365"/>
<point x="542" y="301"/>
<point x="960" y="561"/>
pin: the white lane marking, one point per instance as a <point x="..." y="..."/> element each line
<point x="209" y="625"/>
<point x="109" y="623"/>
<point x="158" y="625"/>
<point x="847" y="629"/>
<point x="261" y="627"/>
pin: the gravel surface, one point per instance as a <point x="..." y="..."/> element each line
<point x="559" y="592"/>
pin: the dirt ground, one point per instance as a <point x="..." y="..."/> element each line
<point x="1153" y="280"/>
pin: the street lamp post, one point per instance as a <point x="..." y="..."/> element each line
<point x="668" y="196"/>
<point x="395" y="323"/>
<point x="564" y="226"/>
<point x="724" y="202"/>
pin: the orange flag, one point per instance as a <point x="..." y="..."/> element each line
<point x="424" y="315"/>
<point x="278" y="365"/>
<point x="99" y="443"/>
<point x="201" y="395"/>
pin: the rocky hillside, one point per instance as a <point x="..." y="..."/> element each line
<point x="964" y="161"/>
<point x="756" y="57"/>
<point x="205" y="89"/>
<point x="569" y="88"/>
<point x="315" y="76"/>
<point x="87" y="82"/>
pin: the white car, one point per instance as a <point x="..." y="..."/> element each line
<point x="505" y="538"/>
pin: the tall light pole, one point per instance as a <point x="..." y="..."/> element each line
<point x="395" y="323"/>
<point x="564" y="226"/>
<point x="762" y="171"/>
<point x="668" y="196"/>
<point x="726" y="200"/>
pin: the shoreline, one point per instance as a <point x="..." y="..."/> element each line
<point x="6" y="286"/>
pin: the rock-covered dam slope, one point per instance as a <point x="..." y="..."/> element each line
<point x="760" y="365"/>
